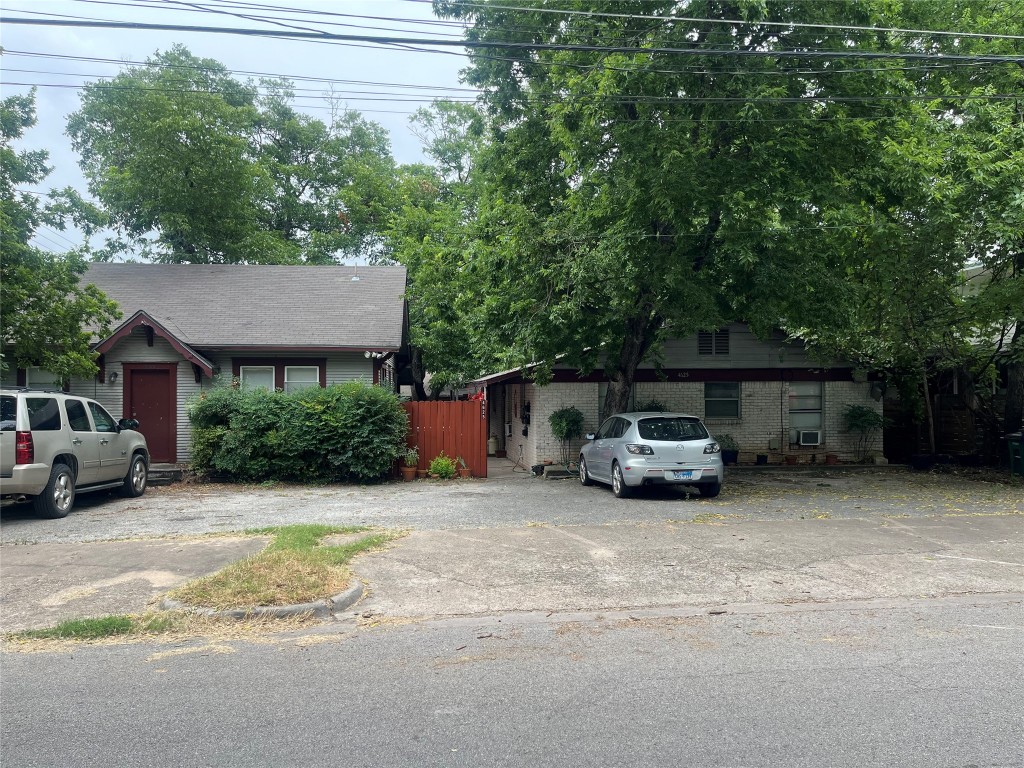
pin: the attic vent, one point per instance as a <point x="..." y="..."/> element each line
<point x="713" y="342"/>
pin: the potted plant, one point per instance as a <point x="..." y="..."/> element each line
<point x="831" y="459"/>
<point x="566" y="425"/>
<point x="730" y="448"/>
<point x="442" y="467"/>
<point x="409" y="461"/>
<point x="463" y="469"/>
<point x="791" y="458"/>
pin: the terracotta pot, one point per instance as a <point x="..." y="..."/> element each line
<point x="465" y="472"/>
<point x="831" y="458"/>
<point x="408" y="473"/>
<point x="421" y="473"/>
<point x="791" y="459"/>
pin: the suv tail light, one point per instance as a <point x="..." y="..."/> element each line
<point x="24" y="450"/>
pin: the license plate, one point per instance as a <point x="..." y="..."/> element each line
<point x="684" y="474"/>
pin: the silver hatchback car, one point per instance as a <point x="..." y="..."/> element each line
<point x="634" y="449"/>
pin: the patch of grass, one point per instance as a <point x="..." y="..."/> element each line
<point x="294" y="568"/>
<point x="104" y="626"/>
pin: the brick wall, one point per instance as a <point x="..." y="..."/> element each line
<point x="764" y="415"/>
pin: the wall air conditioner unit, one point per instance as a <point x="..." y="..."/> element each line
<point x="810" y="437"/>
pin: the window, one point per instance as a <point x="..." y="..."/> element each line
<point x="671" y="429"/>
<point x="77" y="417"/>
<point x="257" y="377"/>
<point x="43" y="414"/>
<point x="298" y="377"/>
<point x="104" y="421"/>
<point x="39" y="378"/>
<point x="721" y="400"/>
<point x="713" y="342"/>
<point x="8" y="413"/>
<point x="805" y="400"/>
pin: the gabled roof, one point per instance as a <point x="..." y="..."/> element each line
<point x="264" y="306"/>
<point x="142" y="320"/>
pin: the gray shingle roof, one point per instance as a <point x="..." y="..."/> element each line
<point x="255" y="306"/>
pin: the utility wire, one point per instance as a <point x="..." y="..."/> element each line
<point x="788" y="71"/>
<point x="734" y="22"/>
<point x="503" y="45"/>
<point x="613" y="99"/>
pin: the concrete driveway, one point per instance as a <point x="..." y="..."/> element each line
<point x="516" y="500"/>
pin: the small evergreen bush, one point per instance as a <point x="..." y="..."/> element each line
<point x="654" y="406"/>
<point x="351" y="431"/>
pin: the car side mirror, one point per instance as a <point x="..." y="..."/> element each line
<point x="127" y="424"/>
<point x="589" y="435"/>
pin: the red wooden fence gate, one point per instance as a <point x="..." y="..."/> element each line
<point x="457" y="428"/>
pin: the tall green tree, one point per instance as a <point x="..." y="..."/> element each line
<point x="635" y="194"/>
<point x="45" y="313"/>
<point x="223" y="171"/>
<point x="432" y="233"/>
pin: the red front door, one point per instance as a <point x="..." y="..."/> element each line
<point x="150" y="394"/>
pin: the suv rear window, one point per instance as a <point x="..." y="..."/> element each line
<point x="8" y="413"/>
<point x="671" y="428"/>
<point x="43" y="414"/>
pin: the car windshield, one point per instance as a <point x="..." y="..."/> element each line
<point x="671" y="428"/>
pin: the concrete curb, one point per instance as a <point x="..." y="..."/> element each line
<point x="321" y="609"/>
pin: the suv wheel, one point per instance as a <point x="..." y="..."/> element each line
<point x="58" y="497"/>
<point x="135" y="480"/>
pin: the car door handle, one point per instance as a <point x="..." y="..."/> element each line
<point x="76" y="441"/>
<point x="104" y="441"/>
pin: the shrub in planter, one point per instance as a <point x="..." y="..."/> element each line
<point x="730" y="448"/>
<point x="443" y="467"/>
<point x="566" y="425"/>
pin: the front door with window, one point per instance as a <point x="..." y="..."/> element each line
<point x="150" y="392"/>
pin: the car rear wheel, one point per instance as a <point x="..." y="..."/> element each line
<point x="135" y="480"/>
<point x="58" y="497"/>
<point x="710" y="490"/>
<point x="584" y="474"/>
<point x="619" y="487"/>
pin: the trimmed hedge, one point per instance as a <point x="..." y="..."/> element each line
<point x="351" y="431"/>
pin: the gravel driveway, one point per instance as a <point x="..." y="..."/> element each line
<point x="516" y="501"/>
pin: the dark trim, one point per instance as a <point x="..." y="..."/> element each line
<point x="142" y="319"/>
<point x="126" y="395"/>
<point x="101" y="365"/>
<point x="198" y="373"/>
<point x="292" y="349"/>
<point x="279" y="364"/>
<point x="648" y="375"/>
<point x="21" y="377"/>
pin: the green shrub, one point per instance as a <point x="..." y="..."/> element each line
<point x="351" y="431"/>
<point x="654" y="406"/>
<point x="566" y="425"/>
<point x="443" y="466"/>
<point x="727" y="442"/>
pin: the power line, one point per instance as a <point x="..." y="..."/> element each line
<point x="736" y="22"/>
<point x="615" y="99"/>
<point x="503" y="45"/>
<point x="799" y="72"/>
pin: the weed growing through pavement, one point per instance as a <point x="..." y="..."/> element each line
<point x="296" y="567"/>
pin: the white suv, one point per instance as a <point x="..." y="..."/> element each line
<point x="53" y="445"/>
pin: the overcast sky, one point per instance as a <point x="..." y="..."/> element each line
<point x="276" y="56"/>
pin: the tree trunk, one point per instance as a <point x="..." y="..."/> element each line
<point x="928" y="414"/>
<point x="416" y="368"/>
<point x="1013" y="414"/>
<point x="621" y="371"/>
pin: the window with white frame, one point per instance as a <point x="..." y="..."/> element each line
<point x="40" y="378"/>
<point x="256" y="377"/>
<point x="721" y="400"/>
<point x="298" y="377"/>
<point x="805" y="406"/>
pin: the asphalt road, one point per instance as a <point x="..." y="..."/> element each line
<point x="912" y="683"/>
<point x="516" y="502"/>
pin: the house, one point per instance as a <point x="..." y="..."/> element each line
<point x="188" y="327"/>
<point x="769" y="395"/>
